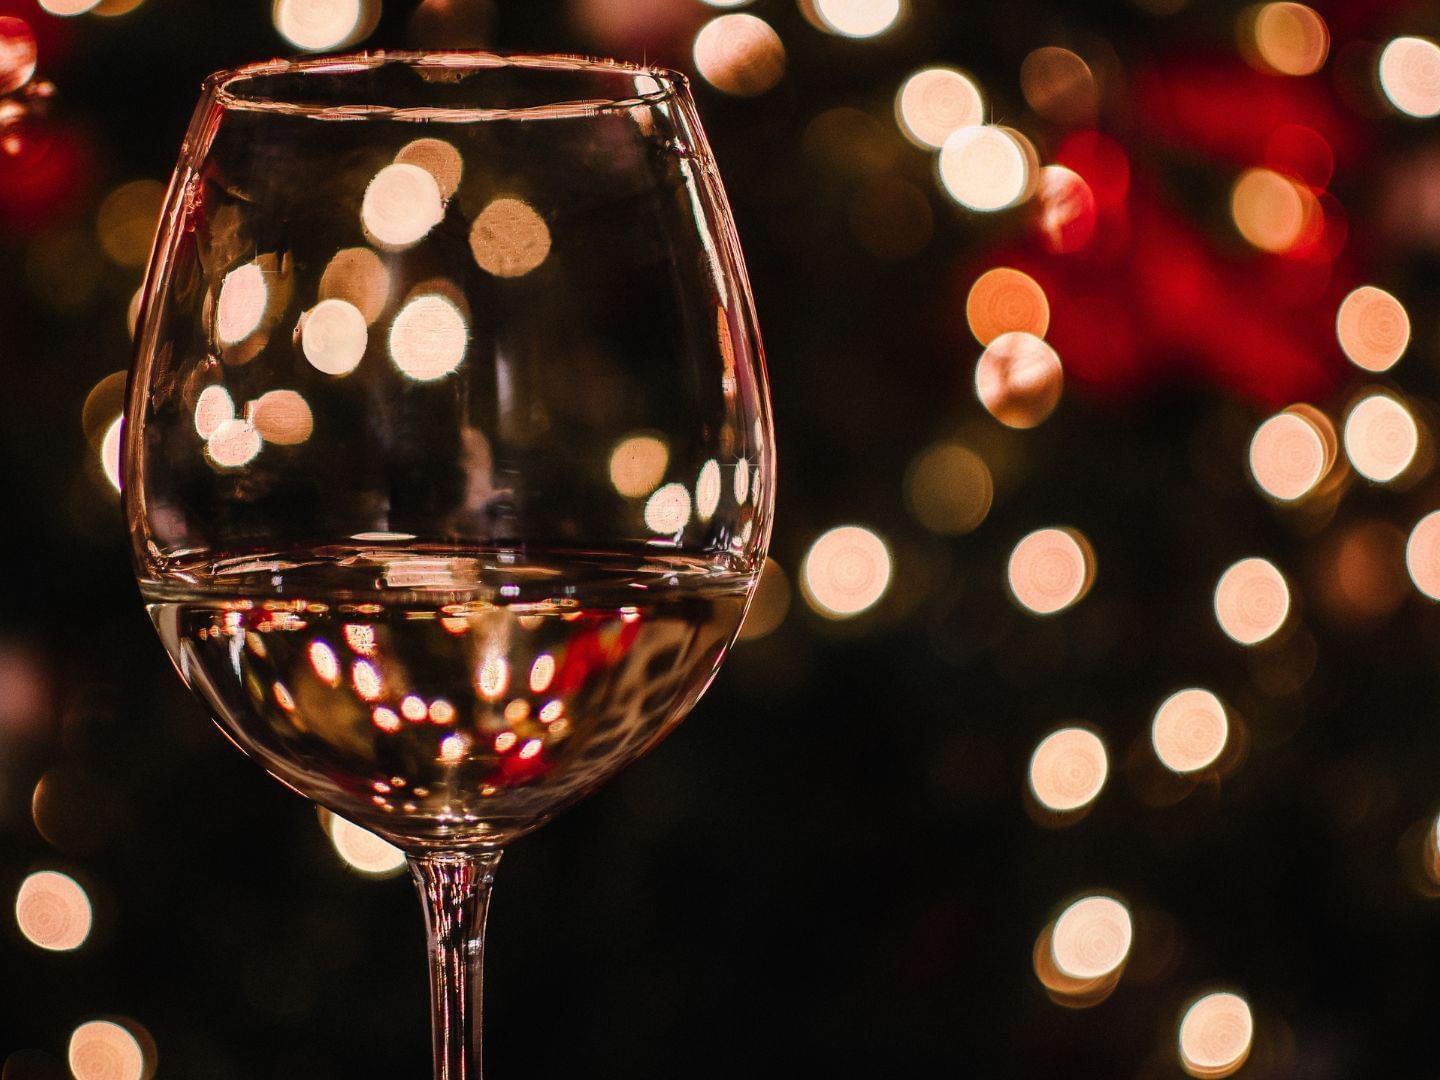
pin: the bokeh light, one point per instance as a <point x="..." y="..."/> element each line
<point x="67" y="7"/>
<point x="1051" y="570"/>
<point x="1019" y="379"/>
<point x="213" y="407"/>
<point x="241" y="306"/>
<point x="857" y="18"/>
<point x="1068" y="769"/>
<point x="401" y="205"/>
<point x="1059" y="85"/>
<point x="1410" y="76"/>
<point x="509" y="239"/>
<point x="740" y="55"/>
<point x="1284" y="38"/>
<point x="53" y="911"/>
<point x="1216" y="1033"/>
<point x="668" y="509"/>
<point x="1381" y="438"/>
<point x="333" y="337"/>
<point x="1066" y="211"/>
<point x="1373" y="328"/>
<point x="110" y="451"/>
<point x="1252" y="601"/>
<point x="1092" y="937"/>
<point x="638" y="464"/>
<point x="428" y="338"/>
<point x="104" y="1050"/>
<point x="1004" y="300"/>
<point x="439" y="159"/>
<point x="318" y="25"/>
<point x="125" y="223"/>
<point x="949" y="489"/>
<point x="233" y="444"/>
<point x="1290" y="454"/>
<point x="1190" y="730"/>
<point x="282" y="417"/>
<point x="362" y="850"/>
<point x="1422" y="555"/>
<point x="987" y="167"/>
<point x="846" y="571"/>
<point x="18" y="53"/>
<point x="770" y="604"/>
<point x="1273" y="212"/>
<point x="935" y="102"/>
<point x="358" y="276"/>
<point x="707" y="490"/>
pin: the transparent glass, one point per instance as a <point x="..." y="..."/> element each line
<point x="448" y="459"/>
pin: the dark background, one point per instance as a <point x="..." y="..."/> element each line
<point x="832" y="867"/>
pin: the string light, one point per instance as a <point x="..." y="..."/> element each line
<point x="770" y="604"/>
<point x="318" y="25"/>
<point x="1059" y="85"/>
<point x="668" y="510"/>
<point x="437" y="157"/>
<point x="110" y="451"/>
<point x="361" y="849"/>
<point x="1290" y="455"/>
<point x="1092" y="937"/>
<point x="333" y="337"/>
<point x="949" y="489"/>
<point x="638" y="464"/>
<point x="428" y="338"/>
<point x="1422" y="555"/>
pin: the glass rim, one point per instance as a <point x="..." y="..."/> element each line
<point x="226" y="86"/>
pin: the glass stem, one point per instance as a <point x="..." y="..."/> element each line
<point x="455" y="893"/>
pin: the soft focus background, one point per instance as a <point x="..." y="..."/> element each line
<point x="1100" y="740"/>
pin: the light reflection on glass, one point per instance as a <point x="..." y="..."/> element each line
<point x="1068" y="769"/>
<point x="428" y="338"/>
<point x="857" y="18"/>
<point x="493" y="677"/>
<point x="282" y="417"/>
<point x="1381" y="438"/>
<point x="1289" y="455"/>
<point x="386" y="720"/>
<point x="1422" y="555"/>
<point x="53" y="911"/>
<point x="366" y="680"/>
<point x="360" y="637"/>
<point x="948" y="488"/>
<point x="358" y="276"/>
<point x="551" y="711"/>
<point x="241" y="307"/>
<point x="1092" y="937"/>
<point x="324" y="662"/>
<point x="283" y="697"/>
<point x="1005" y="299"/>
<point x="333" y="336"/>
<point x="362" y="850"/>
<point x="707" y="490"/>
<point x="934" y="102"/>
<point x="531" y="748"/>
<point x="453" y="748"/>
<point x="741" y="482"/>
<point x="1410" y="76"/>
<point x="110" y="451"/>
<point x="740" y="55"/>
<point x="668" y="509"/>
<point x="770" y="604"/>
<point x="233" y="444"/>
<point x="1284" y="38"/>
<point x="439" y="159"/>
<point x="1273" y="212"/>
<point x="401" y="205"/>
<point x="1050" y="570"/>
<point x="509" y="239"/>
<point x="413" y="708"/>
<point x="1373" y="328"/>
<point x="986" y="167"/>
<point x="1059" y="86"/>
<point x="213" y="407"/>
<point x="541" y="672"/>
<point x="517" y="711"/>
<point x="1216" y="1033"/>
<point x="637" y="465"/>
<point x="441" y="712"/>
<point x="1252" y="601"/>
<point x="103" y="1050"/>
<point x="1190" y="730"/>
<point x="1019" y="379"/>
<point x="846" y="571"/>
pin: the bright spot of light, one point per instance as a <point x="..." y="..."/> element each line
<point x="1059" y="85"/>
<point x="935" y="102"/>
<point x="67" y="7"/>
<point x="987" y="167"/>
<point x="453" y="748"/>
<point x="707" y="490"/>
<point x="102" y="1050"/>
<point x="1252" y="601"/>
<point x="413" y="708"/>
<point x="213" y="407"/>
<point x="541" y="672"/>
<point x="323" y="661"/>
<point x="1068" y="769"/>
<point x="386" y="720"/>
<point x="1067" y="214"/>
<point x="1284" y="39"/>
<point x="366" y="680"/>
<point x="668" y="510"/>
<point x="110" y="451"/>
<point x="948" y="489"/>
<point x="1422" y="555"/>
<point x="53" y="911"/>
<point x="1410" y="76"/>
<point x="361" y="849"/>
<point x="1092" y="937"/>
<point x="1190" y="730"/>
<point x="1216" y="1032"/>
<point x="857" y="18"/>
<point x="1373" y="328"/>
<point x="1289" y="455"/>
<point x="428" y="338"/>
<point x="439" y="159"/>
<point x="846" y="571"/>
<point x="493" y="677"/>
<point x="401" y="205"/>
<point x="1018" y="379"/>
<point x="1381" y="438"/>
<point x="18" y="53"/>
<point x="282" y="417"/>
<point x="770" y="604"/>
<point x="357" y="275"/>
<point x="740" y="55"/>
<point x="637" y="465"/>
<point x="1050" y="570"/>
<point x="233" y="443"/>
<point x="509" y="239"/>
<point x="1273" y="212"/>
<point x="1004" y="299"/>
<point x="241" y="307"/>
<point x="333" y="336"/>
<point x="317" y="25"/>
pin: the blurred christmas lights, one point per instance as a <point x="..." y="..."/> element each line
<point x="1068" y="769"/>
<point x="1381" y="437"/>
<point x="1004" y="299"/>
<point x="53" y="911"/>
<point x="1373" y="328"/>
<point x="854" y="18"/>
<point x="321" y="25"/>
<point x="1290" y="454"/>
<point x="1283" y="38"/>
<point x="1410" y="76"/>
<point x="104" y="1050"/>
<point x="1189" y="730"/>
<point x="1019" y="379"/>
<point x="361" y="849"/>
<point x="668" y="510"/>
<point x="740" y="55"/>
<point x="1216" y="1034"/>
<point x="1051" y="570"/>
<point x="637" y="465"/>
<point x="429" y="338"/>
<point x="935" y="102"/>
<point x="988" y="167"/>
<point x="845" y="572"/>
<point x="509" y="239"/>
<point x="1252" y="601"/>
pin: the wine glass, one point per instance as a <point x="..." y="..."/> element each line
<point x="448" y="460"/>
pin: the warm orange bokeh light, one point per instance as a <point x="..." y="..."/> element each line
<point x="1284" y="39"/>
<point x="233" y="444"/>
<point x="110" y="451"/>
<point x="637" y="465"/>
<point x="282" y="417"/>
<point x="1410" y="76"/>
<point x="770" y="605"/>
<point x="1059" y="85"/>
<point x="1422" y="555"/>
<point x="1051" y="570"/>
<point x="1273" y="212"/>
<point x="103" y="1050"/>
<point x="317" y="25"/>
<point x="1068" y="769"/>
<point x="668" y="509"/>
<point x="439" y="159"/>
<point x="740" y="55"/>
<point x="509" y="238"/>
<point x="935" y="102"/>
<point x="1018" y="379"/>
<point x="1290" y="454"/>
<point x="949" y="489"/>
<point x="401" y="206"/>
<point x="846" y="571"/>
<point x="987" y="167"/>
<point x="1252" y="601"/>
<point x="1381" y="438"/>
<point x="358" y="276"/>
<point x="1092" y="937"/>
<point x="428" y="338"/>
<point x="241" y="306"/>
<point x="53" y="911"/>
<point x="1216" y="1033"/>
<point x="1190" y="730"/>
<point x="1373" y="328"/>
<point x="361" y="849"/>
<point x="1004" y="299"/>
<point x="856" y="18"/>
